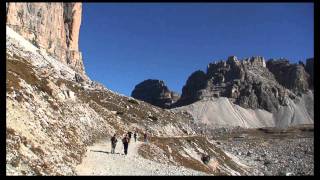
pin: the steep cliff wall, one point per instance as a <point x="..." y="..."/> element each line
<point x="52" y="26"/>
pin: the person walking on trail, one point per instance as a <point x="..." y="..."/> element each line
<point x="145" y="137"/>
<point x="135" y="136"/>
<point x="125" y="142"/>
<point x="113" y="143"/>
<point x="129" y="135"/>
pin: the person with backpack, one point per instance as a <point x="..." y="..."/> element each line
<point x="129" y="135"/>
<point x="145" y="137"/>
<point x="113" y="143"/>
<point x="135" y="136"/>
<point x="125" y="142"/>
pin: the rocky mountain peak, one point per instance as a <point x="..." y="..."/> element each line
<point x="233" y="61"/>
<point x="250" y="83"/>
<point x="255" y="61"/>
<point x="155" y="92"/>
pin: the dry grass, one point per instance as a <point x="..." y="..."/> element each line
<point x="19" y="68"/>
<point x="176" y="145"/>
<point x="22" y="68"/>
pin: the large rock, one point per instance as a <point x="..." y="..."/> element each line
<point x="50" y="26"/>
<point x="155" y="92"/>
<point x="291" y="76"/>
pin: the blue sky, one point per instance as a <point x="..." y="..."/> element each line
<point x="126" y="43"/>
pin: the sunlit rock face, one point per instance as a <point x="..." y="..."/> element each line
<point x="250" y="82"/>
<point x="50" y="26"/>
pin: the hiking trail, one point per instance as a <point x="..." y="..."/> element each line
<point x="99" y="161"/>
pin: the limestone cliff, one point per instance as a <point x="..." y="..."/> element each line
<point x="52" y="26"/>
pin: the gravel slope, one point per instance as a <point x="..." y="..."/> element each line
<point x="99" y="161"/>
<point x="221" y="113"/>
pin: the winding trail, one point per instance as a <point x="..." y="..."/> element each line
<point x="99" y="161"/>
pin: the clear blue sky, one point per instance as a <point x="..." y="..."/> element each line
<point x="124" y="44"/>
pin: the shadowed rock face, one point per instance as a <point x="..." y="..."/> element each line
<point x="309" y="69"/>
<point x="194" y="87"/>
<point x="51" y="26"/>
<point x="155" y="92"/>
<point x="291" y="76"/>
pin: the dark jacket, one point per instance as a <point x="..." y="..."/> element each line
<point x="125" y="141"/>
<point x="114" y="140"/>
<point x="129" y="133"/>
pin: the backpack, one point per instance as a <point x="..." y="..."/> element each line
<point x="114" y="140"/>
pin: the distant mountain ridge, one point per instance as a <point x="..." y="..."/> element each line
<point x="282" y="89"/>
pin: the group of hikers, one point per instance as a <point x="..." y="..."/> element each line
<point x="126" y="140"/>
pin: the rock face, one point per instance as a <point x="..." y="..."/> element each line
<point x="196" y="83"/>
<point x="248" y="83"/>
<point x="248" y="93"/>
<point x="309" y="69"/>
<point x="291" y="76"/>
<point x="53" y="27"/>
<point x="155" y="92"/>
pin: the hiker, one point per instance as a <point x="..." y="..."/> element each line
<point x="125" y="142"/>
<point x="135" y="136"/>
<point x="129" y="135"/>
<point x="113" y="143"/>
<point x="145" y="137"/>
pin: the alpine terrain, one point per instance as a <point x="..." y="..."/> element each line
<point x="248" y="117"/>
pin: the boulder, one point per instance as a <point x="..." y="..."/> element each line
<point x="205" y="158"/>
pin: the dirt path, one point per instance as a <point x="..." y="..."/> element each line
<point x="99" y="161"/>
